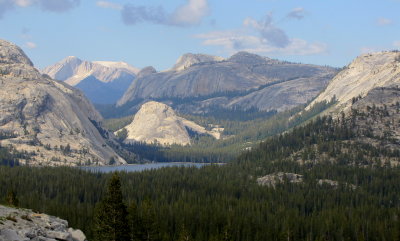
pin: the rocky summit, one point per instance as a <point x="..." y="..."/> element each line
<point x="18" y="224"/>
<point x="365" y="73"/>
<point x="47" y="121"/>
<point x="158" y="123"/>
<point x="244" y="81"/>
<point x="103" y="82"/>
<point x="187" y="60"/>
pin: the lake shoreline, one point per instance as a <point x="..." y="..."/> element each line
<point x="144" y="167"/>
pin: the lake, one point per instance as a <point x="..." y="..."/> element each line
<point x="143" y="167"/>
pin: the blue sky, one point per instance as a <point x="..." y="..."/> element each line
<point x="156" y="32"/>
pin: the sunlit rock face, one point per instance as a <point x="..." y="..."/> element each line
<point x="53" y="122"/>
<point x="158" y="123"/>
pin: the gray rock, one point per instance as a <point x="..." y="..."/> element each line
<point x="33" y="226"/>
<point x="77" y="235"/>
<point x="273" y="179"/>
<point x="11" y="235"/>
<point x="41" y="114"/>
<point x="157" y="122"/>
<point x="243" y="81"/>
<point x="365" y="73"/>
<point x="58" y="235"/>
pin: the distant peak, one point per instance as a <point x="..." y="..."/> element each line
<point x="248" y="58"/>
<point x="71" y="59"/>
<point x="190" y="59"/>
<point x="147" y="71"/>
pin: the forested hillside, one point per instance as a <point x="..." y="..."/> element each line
<point x="358" y="198"/>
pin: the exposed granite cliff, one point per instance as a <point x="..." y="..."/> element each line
<point x="367" y="72"/>
<point x="157" y="122"/>
<point x="50" y="120"/>
<point x="244" y="81"/>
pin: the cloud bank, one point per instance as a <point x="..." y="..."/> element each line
<point x="260" y="37"/>
<point x="190" y="13"/>
<point x="46" y="5"/>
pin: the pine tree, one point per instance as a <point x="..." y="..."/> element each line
<point x="135" y="223"/>
<point x="150" y="227"/>
<point x="111" y="215"/>
<point x="12" y="199"/>
<point x="184" y="235"/>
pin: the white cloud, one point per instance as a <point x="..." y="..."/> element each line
<point x="23" y="3"/>
<point x="384" y="21"/>
<point x="268" y="31"/>
<point x="189" y="14"/>
<point x="106" y="4"/>
<point x="47" y="5"/>
<point x="260" y="37"/>
<point x="30" y="45"/>
<point x="239" y="40"/>
<point x="396" y="44"/>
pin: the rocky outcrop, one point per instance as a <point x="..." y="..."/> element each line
<point x="103" y="82"/>
<point x="158" y="123"/>
<point x="376" y="117"/>
<point x="273" y="179"/>
<point x="197" y="83"/>
<point x="335" y="184"/>
<point x="365" y="73"/>
<point x="51" y="121"/>
<point x="22" y="225"/>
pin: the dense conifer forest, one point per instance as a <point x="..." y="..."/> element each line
<point x="227" y="203"/>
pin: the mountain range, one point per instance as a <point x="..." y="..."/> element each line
<point x="103" y="82"/>
<point x="53" y="123"/>
<point x="198" y="83"/>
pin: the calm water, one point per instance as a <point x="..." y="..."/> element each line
<point x="142" y="167"/>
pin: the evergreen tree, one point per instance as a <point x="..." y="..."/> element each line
<point x="111" y="214"/>
<point x="150" y="227"/>
<point x="135" y="223"/>
<point x="12" y="199"/>
<point x="184" y="235"/>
